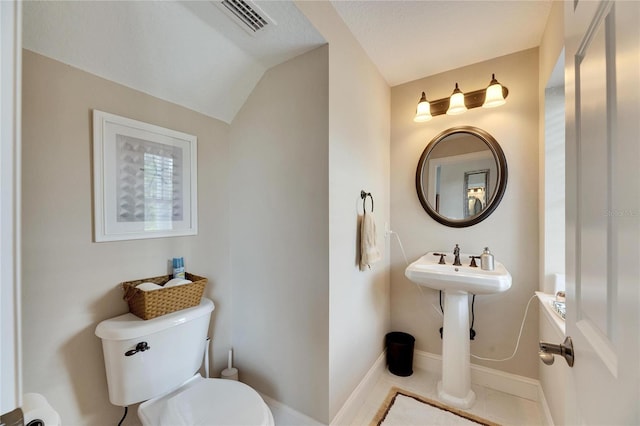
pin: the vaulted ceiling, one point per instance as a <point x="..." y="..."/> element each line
<point x="408" y="40"/>
<point x="193" y="54"/>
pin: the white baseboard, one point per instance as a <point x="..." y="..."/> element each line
<point x="359" y="395"/>
<point x="286" y="416"/>
<point x="513" y="384"/>
<point x="548" y="419"/>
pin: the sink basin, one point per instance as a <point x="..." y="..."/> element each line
<point x="457" y="282"/>
<point x="427" y="272"/>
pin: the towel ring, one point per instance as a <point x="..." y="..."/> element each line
<point x="364" y="196"/>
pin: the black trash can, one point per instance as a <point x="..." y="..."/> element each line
<point x="400" y="353"/>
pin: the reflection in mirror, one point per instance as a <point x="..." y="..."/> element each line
<point x="476" y="185"/>
<point x="461" y="176"/>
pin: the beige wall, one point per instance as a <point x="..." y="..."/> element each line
<point x="69" y="283"/>
<point x="280" y="234"/>
<point x="358" y="160"/>
<point x="300" y="229"/>
<point x="511" y="231"/>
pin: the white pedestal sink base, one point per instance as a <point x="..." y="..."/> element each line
<point x="457" y="281"/>
<point x="455" y="387"/>
<point x="466" y="402"/>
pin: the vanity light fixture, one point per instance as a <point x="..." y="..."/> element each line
<point x="456" y="102"/>
<point x="494" y="95"/>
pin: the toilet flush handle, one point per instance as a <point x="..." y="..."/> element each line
<point x="140" y="347"/>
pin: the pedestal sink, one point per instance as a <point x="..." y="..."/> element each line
<point x="457" y="282"/>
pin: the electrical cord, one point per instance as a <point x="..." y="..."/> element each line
<point x="441" y="312"/>
<point x="407" y="262"/>
<point x="472" y="332"/>
<point x="126" y="410"/>
<point x="524" y="317"/>
<point x="473" y="314"/>
<point x="401" y="247"/>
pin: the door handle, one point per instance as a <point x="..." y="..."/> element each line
<point x="564" y="349"/>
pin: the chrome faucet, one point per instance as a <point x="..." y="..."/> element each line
<point x="456" y="254"/>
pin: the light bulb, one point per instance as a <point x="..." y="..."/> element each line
<point x="493" y="97"/>
<point x="456" y="102"/>
<point x="423" y="110"/>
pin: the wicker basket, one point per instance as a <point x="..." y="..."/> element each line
<point x="151" y="304"/>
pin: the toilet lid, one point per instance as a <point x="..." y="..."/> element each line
<point x="207" y="402"/>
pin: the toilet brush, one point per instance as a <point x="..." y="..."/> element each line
<point x="230" y="373"/>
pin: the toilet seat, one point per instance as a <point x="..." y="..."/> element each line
<point x="207" y="402"/>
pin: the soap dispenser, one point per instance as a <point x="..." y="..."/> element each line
<point x="486" y="260"/>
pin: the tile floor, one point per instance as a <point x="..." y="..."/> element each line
<point x="490" y="404"/>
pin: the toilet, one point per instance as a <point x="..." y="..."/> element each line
<point x="157" y="361"/>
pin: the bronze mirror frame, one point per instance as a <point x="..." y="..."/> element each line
<point x="501" y="181"/>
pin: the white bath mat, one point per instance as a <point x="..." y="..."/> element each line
<point x="403" y="408"/>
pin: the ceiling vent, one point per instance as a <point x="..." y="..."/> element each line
<point x="247" y="14"/>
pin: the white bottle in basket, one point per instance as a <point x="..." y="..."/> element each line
<point x="178" y="267"/>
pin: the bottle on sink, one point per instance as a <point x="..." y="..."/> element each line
<point x="486" y="260"/>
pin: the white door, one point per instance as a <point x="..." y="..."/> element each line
<point x="602" y="77"/>
<point x="10" y="85"/>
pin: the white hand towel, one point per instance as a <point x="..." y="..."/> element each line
<point x="369" y="253"/>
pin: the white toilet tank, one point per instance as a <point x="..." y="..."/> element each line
<point x="147" y="358"/>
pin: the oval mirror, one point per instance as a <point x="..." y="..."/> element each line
<point x="461" y="176"/>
